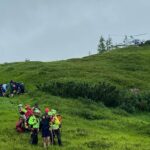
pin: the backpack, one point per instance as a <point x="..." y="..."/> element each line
<point x="19" y="126"/>
<point x="59" y="118"/>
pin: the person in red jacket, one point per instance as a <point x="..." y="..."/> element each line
<point x="29" y="111"/>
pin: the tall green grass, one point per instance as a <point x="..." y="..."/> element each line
<point x="85" y="125"/>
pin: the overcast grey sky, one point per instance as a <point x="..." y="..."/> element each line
<point x="49" y="30"/>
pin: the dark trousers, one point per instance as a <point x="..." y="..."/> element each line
<point x="34" y="137"/>
<point x="58" y="134"/>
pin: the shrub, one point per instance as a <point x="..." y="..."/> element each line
<point x="131" y="101"/>
<point x="147" y="42"/>
<point x="100" y="92"/>
<point x="136" y="102"/>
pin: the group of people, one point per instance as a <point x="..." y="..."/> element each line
<point x="11" y="88"/>
<point x="32" y="120"/>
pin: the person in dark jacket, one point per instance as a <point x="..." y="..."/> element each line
<point x="45" y="129"/>
<point x="20" y="88"/>
<point x="1" y="92"/>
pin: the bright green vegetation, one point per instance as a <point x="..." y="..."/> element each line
<point x="86" y="125"/>
<point x="126" y="68"/>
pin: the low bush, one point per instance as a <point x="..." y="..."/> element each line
<point x="147" y="43"/>
<point x="131" y="101"/>
<point x="100" y="92"/>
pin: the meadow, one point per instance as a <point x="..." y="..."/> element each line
<point x="86" y="124"/>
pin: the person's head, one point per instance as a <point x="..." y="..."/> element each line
<point x="47" y="110"/>
<point x="20" y="105"/>
<point x="37" y="112"/>
<point x="11" y="82"/>
<point x="54" y="112"/>
<point x="50" y="114"/>
<point x="36" y="105"/>
<point x="27" y="106"/>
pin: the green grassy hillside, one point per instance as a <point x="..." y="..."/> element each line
<point x="126" y="68"/>
<point x="86" y="125"/>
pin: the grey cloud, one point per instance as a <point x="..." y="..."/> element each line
<point x="54" y="29"/>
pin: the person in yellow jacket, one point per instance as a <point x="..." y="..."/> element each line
<point x="34" y="124"/>
<point x="22" y="111"/>
<point x="55" y="127"/>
